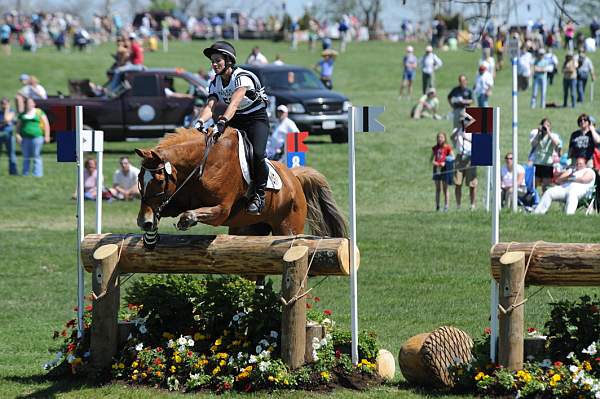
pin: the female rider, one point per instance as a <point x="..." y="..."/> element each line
<point x="246" y="110"/>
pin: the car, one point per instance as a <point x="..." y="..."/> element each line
<point x="313" y="107"/>
<point x="141" y="103"/>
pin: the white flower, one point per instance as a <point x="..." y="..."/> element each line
<point x="265" y="354"/>
<point x="182" y="341"/>
<point x="70" y="358"/>
<point x="58" y="355"/>
<point x="190" y="342"/>
<point x="316" y="346"/>
<point x="274" y="344"/>
<point x="252" y="359"/>
<point x="328" y="337"/>
<point x="316" y="340"/>
<point x="570" y="355"/>
<point x="326" y="321"/>
<point x="546" y="363"/>
<point x="194" y="376"/>
<point x="258" y="349"/>
<point x="181" y="348"/>
<point x="264" y="342"/>
<point x="240" y="355"/>
<point x="129" y="337"/>
<point x="86" y="354"/>
<point x="197" y="317"/>
<point x="323" y="342"/>
<point x="236" y="317"/>
<point x="264" y="366"/>
<point x="274" y="334"/>
<point x="314" y="355"/>
<point x="573" y="368"/>
<point x="139" y="347"/>
<point x="591" y="350"/>
<point x="597" y="395"/>
<point x="143" y="329"/>
<point x="171" y="344"/>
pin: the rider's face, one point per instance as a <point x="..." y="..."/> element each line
<point x="218" y="62"/>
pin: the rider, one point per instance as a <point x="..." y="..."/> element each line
<point x="246" y="109"/>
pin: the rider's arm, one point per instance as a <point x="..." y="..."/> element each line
<point x="237" y="96"/>
<point x="207" y="111"/>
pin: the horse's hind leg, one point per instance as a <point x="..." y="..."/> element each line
<point x="260" y="229"/>
<point x="292" y="225"/>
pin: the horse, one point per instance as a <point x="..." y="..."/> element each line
<point x="193" y="175"/>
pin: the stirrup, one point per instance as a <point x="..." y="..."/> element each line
<point x="256" y="205"/>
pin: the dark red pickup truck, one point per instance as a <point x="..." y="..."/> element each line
<point x="137" y="103"/>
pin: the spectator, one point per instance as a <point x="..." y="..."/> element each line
<point x="483" y="86"/>
<point x="276" y="142"/>
<point x="524" y="70"/>
<point x="506" y="179"/>
<point x="5" y="32"/>
<point x="136" y="50"/>
<point x="488" y="61"/>
<point x="459" y="98"/>
<point x="33" y="131"/>
<point x="256" y="57"/>
<point x="90" y="180"/>
<point x="410" y="68"/>
<point x="499" y="48"/>
<point x="7" y="121"/>
<point x="325" y="67"/>
<point x="429" y="64"/>
<point x="569" y="36"/>
<point x="278" y="60"/>
<point x="569" y="70"/>
<point x="442" y="177"/>
<point x="343" y="30"/>
<point x="552" y="61"/>
<point x="585" y="70"/>
<point x="427" y="107"/>
<point x="464" y="172"/>
<point x="582" y="141"/>
<point x="545" y="145"/>
<point x="574" y="184"/>
<point x="125" y="181"/>
<point x="540" y="69"/>
<point x="595" y="30"/>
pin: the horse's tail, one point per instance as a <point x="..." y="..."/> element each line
<point x="324" y="216"/>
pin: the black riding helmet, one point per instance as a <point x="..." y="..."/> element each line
<point x="221" y="47"/>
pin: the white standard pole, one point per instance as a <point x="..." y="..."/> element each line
<point x="488" y="188"/>
<point x="352" y="205"/>
<point x="165" y="39"/>
<point x="99" y="186"/>
<point x="515" y="129"/>
<point x="80" y="217"/>
<point x="495" y="230"/>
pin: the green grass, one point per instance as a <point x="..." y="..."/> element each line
<point x="420" y="269"/>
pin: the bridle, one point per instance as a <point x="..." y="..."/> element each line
<point x="165" y="197"/>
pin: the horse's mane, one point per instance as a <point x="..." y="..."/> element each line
<point x="180" y="136"/>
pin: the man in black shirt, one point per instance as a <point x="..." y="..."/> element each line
<point x="460" y="98"/>
<point x="582" y="141"/>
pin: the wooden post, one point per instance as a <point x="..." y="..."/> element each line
<point x="293" y="320"/>
<point x="313" y="330"/>
<point x="105" y="333"/>
<point x="512" y="286"/>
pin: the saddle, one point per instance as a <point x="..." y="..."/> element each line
<point x="246" y="156"/>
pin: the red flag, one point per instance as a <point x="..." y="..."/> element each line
<point x="62" y="118"/>
<point x="295" y="142"/>
<point x="482" y="120"/>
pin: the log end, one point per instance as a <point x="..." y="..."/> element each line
<point x="512" y="257"/>
<point x="344" y="257"/>
<point x="295" y="253"/>
<point x="105" y="251"/>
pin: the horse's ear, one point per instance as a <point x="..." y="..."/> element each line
<point x="143" y="153"/>
<point x="154" y="155"/>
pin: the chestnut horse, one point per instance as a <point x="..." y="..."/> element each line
<point x="179" y="177"/>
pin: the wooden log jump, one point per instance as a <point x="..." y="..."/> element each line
<point x="108" y="255"/>
<point x="558" y="264"/>
<point x="220" y="254"/>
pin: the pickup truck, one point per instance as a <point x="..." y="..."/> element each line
<point x="143" y="103"/>
<point x="312" y="106"/>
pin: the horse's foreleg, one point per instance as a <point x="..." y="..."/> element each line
<point x="213" y="215"/>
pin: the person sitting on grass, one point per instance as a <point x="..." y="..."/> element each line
<point x="427" y="107"/>
<point x="125" y="183"/>
<point x="442" y="176"/>
<point x="574" y="184"/>
<point x="90" y="178"/>
<point x="506" y="178"/>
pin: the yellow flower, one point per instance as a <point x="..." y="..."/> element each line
<point x="173" y="369"/>
<point x="480" y="376"/>
<point x="286" y="382"/>
<point x="199" y="337"/>
<point x="135" y="371"/>
<point x="216" y="370"/>
<point x="177" y="359"/>
<point x="213" y="348"/>
<point x="218" y="342"/>
<point x="144" y="375"/>
<point x="241" y="376"/>
<point x="587" y="366"/>
<point x="134" y="377"/>
<point x="121" y="365"/>
<point x="271" y="378"/>
<point x="115" y="366"/>
<point x="248" y="369"/>
<point x="222" y="363"/>
<point x="222" y="355"/>
<point x="325" y="375"/>
<point x="134" y="364"/>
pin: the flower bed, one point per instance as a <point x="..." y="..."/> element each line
<point x="219" y="334"/>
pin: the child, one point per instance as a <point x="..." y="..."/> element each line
<point x="441" y="154"/>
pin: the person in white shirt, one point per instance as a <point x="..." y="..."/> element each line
<point x="506" y="180"/>
<point x="429" y="64"/>
<point x="574" y="184"/>
<point x="125" y="181"/>
<point x="278" y="60"/>
<point x="276" y="142"/>
<point x="483" y="86"/>
<point x="256" y="57"/>
<point x="524" y="70"/>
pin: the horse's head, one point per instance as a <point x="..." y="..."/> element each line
<point x="157" y="182"/>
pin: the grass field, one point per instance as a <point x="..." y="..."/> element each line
<point x="420" y="269"/>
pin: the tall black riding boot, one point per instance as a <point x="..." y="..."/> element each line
<point x="261" y="174"/>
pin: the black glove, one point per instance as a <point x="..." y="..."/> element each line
<point x="199" y="125"/>
<point x="220" y="126"/>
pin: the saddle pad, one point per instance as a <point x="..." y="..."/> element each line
<point x="273" y="182"/>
